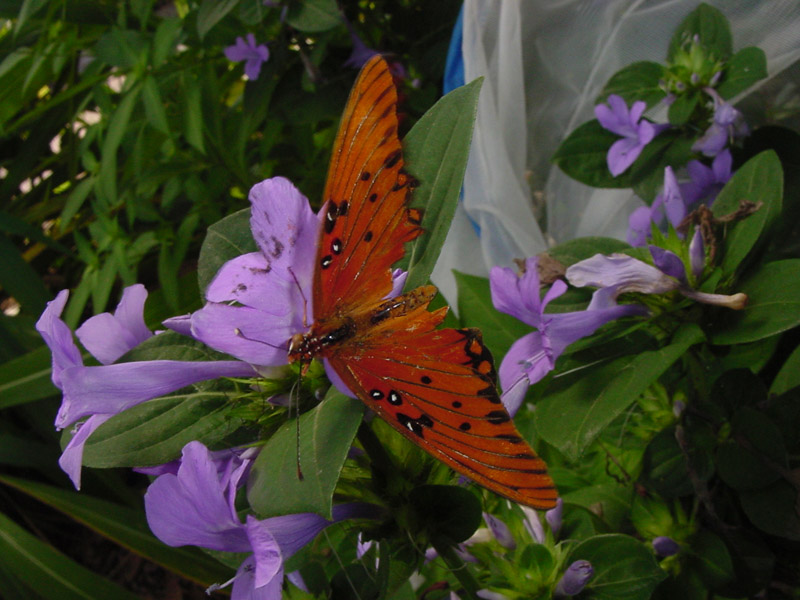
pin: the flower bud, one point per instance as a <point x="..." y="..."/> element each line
<point x="665" y="546"/>
<point x="574" y="579"/>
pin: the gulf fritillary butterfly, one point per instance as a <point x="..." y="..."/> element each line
<point x="437" y="387"/>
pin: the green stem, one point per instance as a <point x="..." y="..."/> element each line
<point x="459" y="568"/>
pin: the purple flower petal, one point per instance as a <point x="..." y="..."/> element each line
<point x="623" y="272"/>
<point x="500" y="531"/>
<point x="113" y="388"/>
<point x="266" y="551"/>
<point x="665" y="546"/>
<point x="697" y="254"/>
<point x="673" y="201"/>
<point x="249" y="51"/>
<point x="574" y="579"/>
<point x="668" y="263"/>
<point x="554" y="515"/>
<point x="533" y="525"/>
<point x="527" y="361"/>
<point x="71" y="459"/>
<point x="636" y="133"/>
<point x="58" y="337"/>
<point x="639" y="226"/>
<point x="622" y="154"/>
<point x="244" y="584"/>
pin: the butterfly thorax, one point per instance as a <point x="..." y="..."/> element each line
<point x="357" y="328"/>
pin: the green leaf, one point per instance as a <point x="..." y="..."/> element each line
<point x="786" y="379"/>
<point x="20" y="280"/>
<point x="49" y="573"/>
<point x="193" y="112"/>
<point x="212" y="12"/>
<point x="117" y="128"/>
<point x="326" y="433"/>
<point x="165" y="39"/>
<point x="582" y="156"/>
<point x="26" y="378"/>
<point x="579" y="406"/>
<point x="773" y="509"/>
<point x="225" y="239"/>
<point x="710" y="25"/>
<point x="711" y="559"/>
<point x="744" y="69"/>
<point x="314" y="15"/>
<point x="448" y="514"/>
<point x="436" y="151"/>
<point x="682" y="108"/>
<point x="624" y="569"/>
<point x="155" y="432"/>
<point x="760" y="179"/>
<point x="127" y="528"/>
<point x="773" y="305"/>
<point x="154" y="105"/>
<point x="754" y="456"/>
<point x="475" y="307"/>
<point x="122" y="48"/>
<point x="637" y="81"/>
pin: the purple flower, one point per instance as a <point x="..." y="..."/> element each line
<point x="101" y="392"/>
<point x="574" y="579"/>
<point x="500" y="531"/>
<point x="258" y="301"/>
<point x="361" y="52"/>
<point x="706" y="182"/>
<point x="619" y="273"/>
<point x="636" y="133"/>
<point x="254" y="55"/>
<point x="726" y="125"/>
<point x="554" y="515"/>
<point x="532" y="356"/>
<point x="195" y="506"/>
<point x="665" y="546"/>
<point x="669" y="203"/>
<point x="533" y="524"/>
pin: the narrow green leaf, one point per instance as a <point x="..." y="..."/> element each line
<point x="314" y="15"/>
<point x="326" y="433"/>
<point x="786" y="379"/>
<point x="117" y="127"/>
<point x="744" y="69"/>
<point x="212" y="12"/>
<point x="475" y="307"/>
<point x="773" y="305"/>
<point x="624" y="569"/>
<point x="26" y="379"/>
<point x="154" y="105"/>
<point x="760" y="179"/>
<point x="20" y="280"/>
<point x="76" y="199"/>
<point x="436" y="150"/>
<point x="193" y="112"/>
<point x="165" y="39"/>
<point x="585" y="403"/>
<point x="126" y="527"/>
<point x="48" y="572"/>
<point x="225" y="239"/>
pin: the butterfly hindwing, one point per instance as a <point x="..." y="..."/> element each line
<point x="437" y="388"/>
<point x="366" y="220"/>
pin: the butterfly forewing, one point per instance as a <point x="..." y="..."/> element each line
<point x="366" y="218"/>
<point x="436" y="387"/>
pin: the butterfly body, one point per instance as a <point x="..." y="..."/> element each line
<point x="437" y="387"/>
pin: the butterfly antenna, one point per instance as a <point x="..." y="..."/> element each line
<point x="341" y="564"/>
<point x="303" y="296"/>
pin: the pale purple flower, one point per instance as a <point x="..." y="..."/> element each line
<point x="636" y="132"/>
<point x="258" y="301"/>
<point x="620" y="273"/>
<point x="665" y="546"/>
<point x="195" y="506"/>
<point x="554" y="516"/>
<point x="706" y="182"/>
<point x="574" y="579"/>
<point x="640" y="225"/>
<point x="669" y="203"/>
<point x="726" y="125"/>
<point x="500" y="531"/>
<point x="253" y="54"/>
<point x="100" y="392"/>
<point x="361" y="52"/>
<point x="532" y="356"/>
<point x="533" y="524"/>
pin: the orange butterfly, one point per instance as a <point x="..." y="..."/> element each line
<point x="437" y="387"/>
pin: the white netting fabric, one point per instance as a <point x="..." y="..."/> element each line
<point x="544" y="63"/>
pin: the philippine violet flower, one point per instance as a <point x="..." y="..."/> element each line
<point x="574" y="579"/>
<point x="665" y="546"/>
<point x="727" y="124"/>
<point x="97" y="393"/>
<point x="258" y="301"/>
<point x="195" y="506"/>
<point x="706" y="182"/>
<point x="669" y="203"/>
<point x="620" y="273"/>
<point x="253" y="54"/>
<point x="534" y="355"/>
<point x="636" y="132"/>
